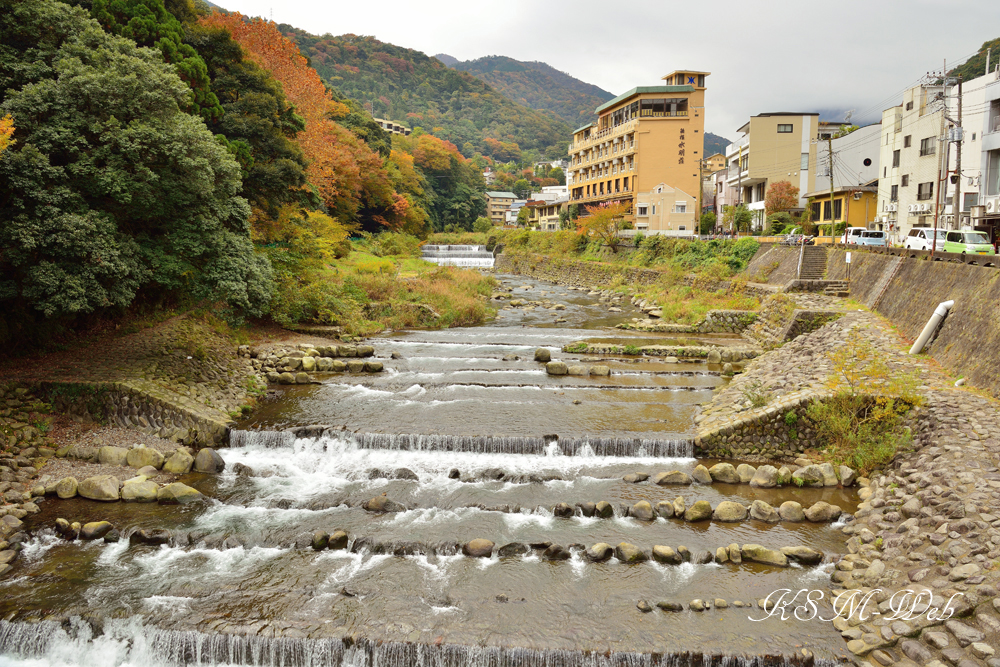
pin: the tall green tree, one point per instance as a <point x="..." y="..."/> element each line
<point x="111" y="188"/>
<point x="149" y="23"/>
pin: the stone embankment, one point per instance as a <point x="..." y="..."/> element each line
<point x="294" y="366"/>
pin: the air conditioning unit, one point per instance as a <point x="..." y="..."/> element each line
<point x="991" y="206"/>
<point x="913" y="207"/>
<point x="978" y="212"/>
<point x="925" y="207"/>
<point x="893" y="208"/>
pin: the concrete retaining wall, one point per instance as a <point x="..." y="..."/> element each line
<point x="778" y="431"/>
<point x="773" y="264"/>
<point x="968" y="342"/>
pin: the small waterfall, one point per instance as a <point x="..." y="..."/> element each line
<point x="129" y="642"/>
<point x="479" y="444"/>
<point x="458" y="255"/>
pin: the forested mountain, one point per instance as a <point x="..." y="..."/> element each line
<point x="411" y="87"/>
<point x="539" y="86"/>
<point x="975" y="67"/>
<point x="715" y="144"/>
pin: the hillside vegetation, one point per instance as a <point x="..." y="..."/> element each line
<point x="539" y="86"/>
<point x="417" y="90"/>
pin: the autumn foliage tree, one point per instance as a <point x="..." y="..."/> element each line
<point x="603" y="222"/>
<point x="6" y="130"/>
<point x="781" y="196"/>
<point x="348" y="176"/>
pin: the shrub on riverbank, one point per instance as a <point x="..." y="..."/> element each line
<point x="862" y="423"/>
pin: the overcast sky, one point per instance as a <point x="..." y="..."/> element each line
<point x="777" y="55"/>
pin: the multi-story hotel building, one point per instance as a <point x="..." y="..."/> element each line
<point x="649" y="136"/>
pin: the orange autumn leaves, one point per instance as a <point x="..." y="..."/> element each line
<point x="6" y="131"/>
<point x="347" y="174"/>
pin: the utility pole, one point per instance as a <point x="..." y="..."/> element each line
<point x="943" y="145"/>
<point x="957" y="204"/>
<point x="739" y="186"/>
<point x="829" y="147"/>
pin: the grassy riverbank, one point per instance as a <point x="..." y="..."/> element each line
<point x="381" y="283"/>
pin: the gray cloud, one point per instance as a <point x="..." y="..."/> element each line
<point x="783" y="55"/>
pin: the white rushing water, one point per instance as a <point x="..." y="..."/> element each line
<point x="469" y="256"/>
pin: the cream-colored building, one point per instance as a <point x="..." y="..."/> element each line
<point x="545" y="215"/>
<point x="647" y="136"/>
<point x="392" y="127"/>
<point x="497" y="205"/>
<point x="667" y="211"/>
<point x="774" y="147"/>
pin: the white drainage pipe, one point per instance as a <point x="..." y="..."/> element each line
<point x="931" y="326"/>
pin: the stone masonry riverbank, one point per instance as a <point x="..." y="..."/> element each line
<point x="929" y="520"/>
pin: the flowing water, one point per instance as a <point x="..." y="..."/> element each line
<point x="473" y="256"/>
<point x="474" y="440"/>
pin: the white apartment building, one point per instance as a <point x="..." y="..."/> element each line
<point x="986" y="215"/>
<point x="919" y="140"/>
<point x="855" y="159"/>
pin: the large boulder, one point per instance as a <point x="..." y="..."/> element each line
<point x="629" y="553"/>
<point x="635" y="477"/>
<point x="308" y="364"/>
<point x="382" y="504"/>
<point x="563" y="510"/>
<point x="95" y="530"/>
<point x="140" y="457"/>
<point x="724" y="472"/>
<point x="808" y="476"/>
<point x="543" y="355"/>
<point x="600" y="552"/>
<point x="642" y="511"/>
<point x="765" y="477"/>
<point x="513" y="550"/>
<point x="679" y="507"/>
<point x="208" y="460"/>
<point x="671" y="477"/>
<point x="701" y="475"/>
<point x="847" y="476"/>
<point x="662" y="554"/>
<point x="764" y="512"/>
<point x="178" y="494"/>
<point x="338" y="540"/>
<point x="556" y="368"/>
<point x="112" y="456"/>
<point x="67" y="487"/>
<point x="803" y="555"/>
<point x="746" y="472"/>
<point x="791" y="511"/>
<point x="139" y="492"/>
<point x="556" y="552"/>
<point x="757" y="554"/>
<point x="179" y="462"/>
<point x="320" y="540"/>
<point x="664" y="509"/>
<point x="823" y="512"/>
<point x="478" y="548"/>
<point x="728" y="511"/>
<point x="101" y="487"/>
<point x="604" y="509"/>
<point x="829" y="474"/>
<point x="700" y="511"/>
<point x="154" y="536"/>
<point x="600" y="370"/>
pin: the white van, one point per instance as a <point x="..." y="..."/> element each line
<point x="919" y="238"/>
<point x="852" y="234"/>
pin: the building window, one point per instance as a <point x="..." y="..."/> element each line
<point x="804" y="163"/>
<point x="681" y="228"/>
<point x="838" y="209"/>
<point x="909" y="106"/>
<point x="642" y="210"/>
<point x="784" y="128"/>
<point x="925" y="191"/>
<point x="815" y="211"/>
<point x="969" y="199"/>
<point x="654" y="209"/>
<point x="826" y="210"/>
<point x="907" y="140"/>
<point x="993" y="173"/>
<point x="895" y="159"/>
<point x="681" y="207"/>
<point x="927" y="146"/>
<point x="906" y="180"/>
<point x="894" y="193"/>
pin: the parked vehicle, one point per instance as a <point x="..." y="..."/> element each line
<point x="852" y="234"/>
<point x="872" y="237"/>
<point x="919" y="238"/>
<point x="973" y="243"/>
<point x="796" y="239"/>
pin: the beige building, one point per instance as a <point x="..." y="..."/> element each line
<point x="714" y="163"/>
<point x="774" y="147"/>
<point x="392" y="127"/>
<point x="497" y="205"/>
<point x="647" y="136"/>
<point x="544" y="215"/>
<point x="665" y="210"/>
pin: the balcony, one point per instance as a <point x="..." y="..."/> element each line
<point x="994" y="124"/>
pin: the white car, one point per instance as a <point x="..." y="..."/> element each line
<point x="852" y="234"/>
<point x="919" y="238"/>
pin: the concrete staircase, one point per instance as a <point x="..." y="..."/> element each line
<point x="840" y="288"/>
<point x="813" y="263"/>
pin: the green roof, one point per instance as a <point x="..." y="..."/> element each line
<point x="501" y="195"/>
<point x="644" y="89"/>
<point x="581" y="129"/>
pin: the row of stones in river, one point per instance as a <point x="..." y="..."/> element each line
<point x="727" y="511"/>
<point x="293" y="366"/>
<point x="811" y="475"/>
